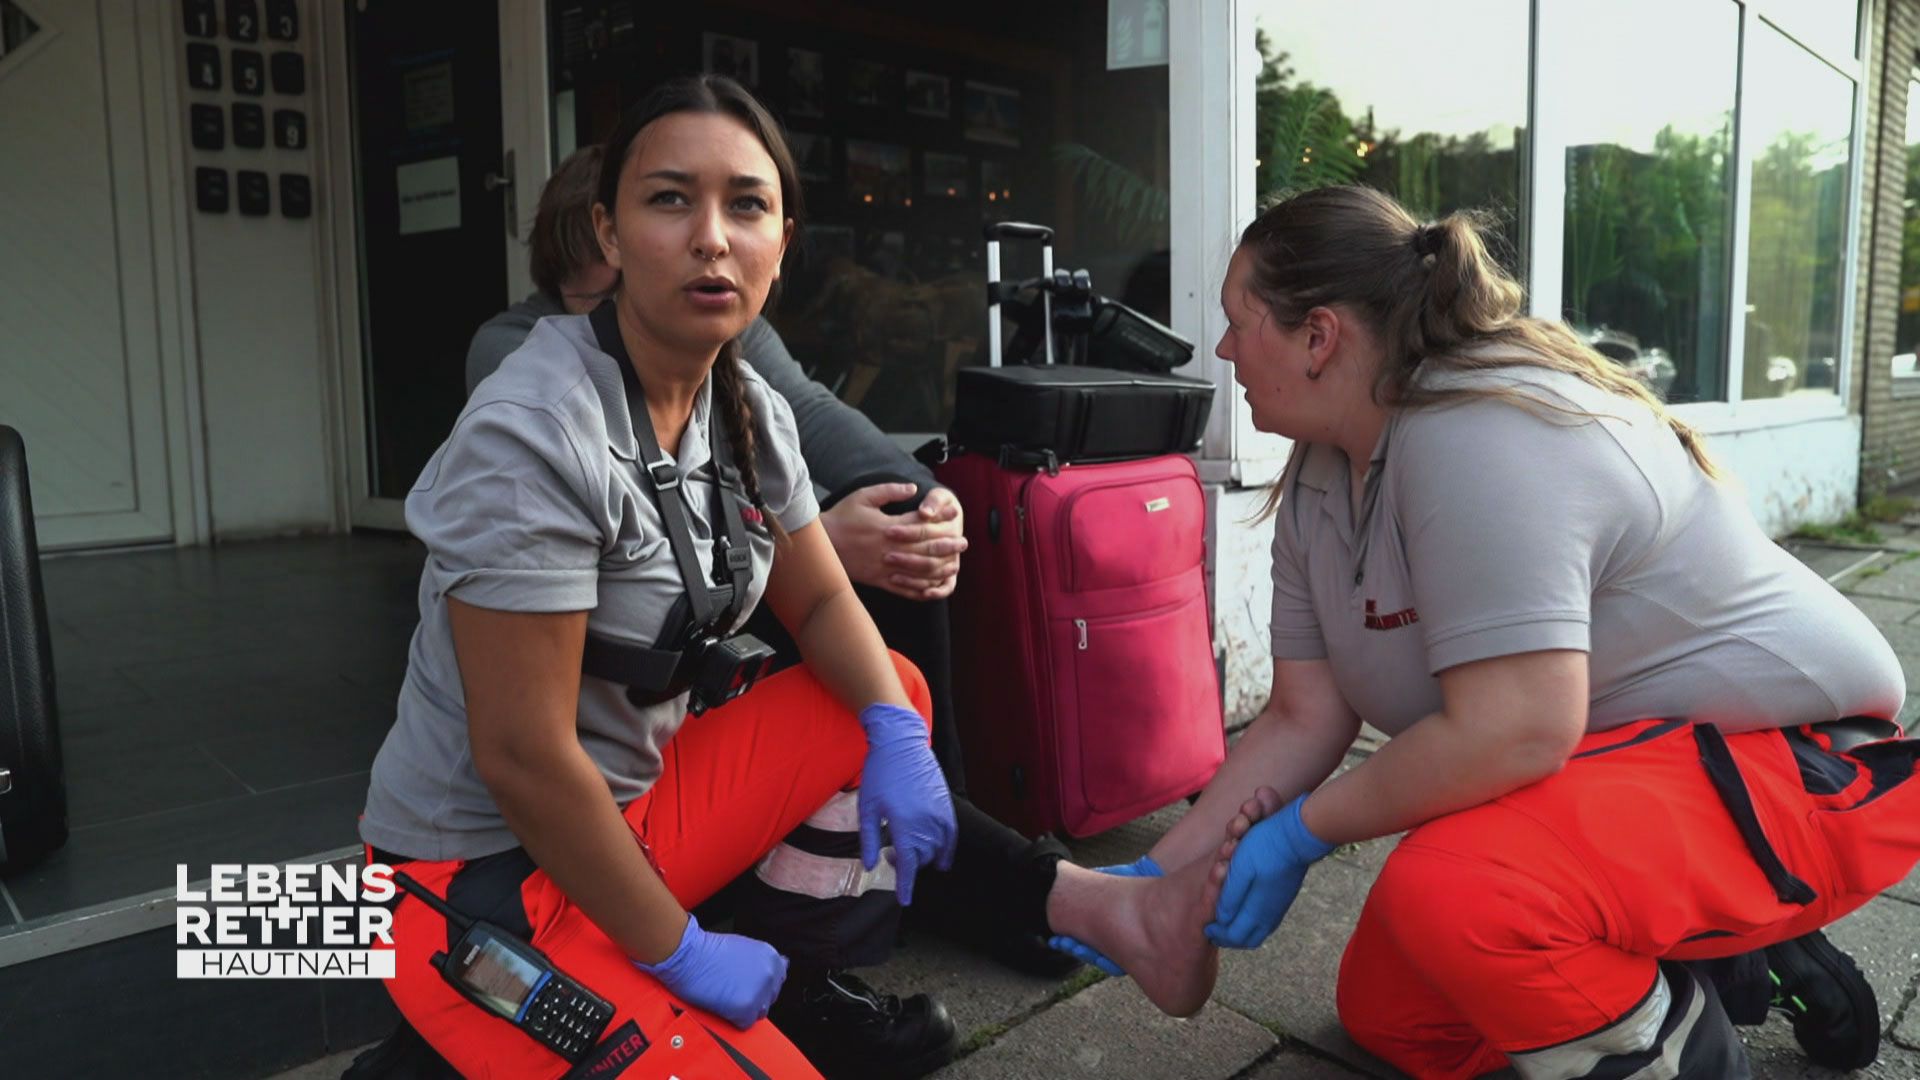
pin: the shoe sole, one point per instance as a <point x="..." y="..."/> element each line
<point x="1861" y="1001"/>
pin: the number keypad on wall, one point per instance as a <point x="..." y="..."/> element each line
<point x="256" y="199"/>
<point x="210" y="189"/>
<point x="203" y="66"/>
<point x="236" y="159"/>
<point x="290" y="129"/>
<point x="209" y="127"/>
<point x="296" y="195"/>
<point x="283" y="20"/>
<point x="249" y="72"/>
<point x="243" y="20"/>
<point x="249" y="126"/>
<point x="289" y="73"/>
<point x="202" y="21"/>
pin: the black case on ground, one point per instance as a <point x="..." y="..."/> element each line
<point x="1078" y="414"/>
<point x="33" y="794"/>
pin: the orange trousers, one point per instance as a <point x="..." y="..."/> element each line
<point x="1540" y="917"/>
<point x="735" y="782"/>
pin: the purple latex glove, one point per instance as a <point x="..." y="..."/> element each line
<point x="901" y="785"/>
<point x="729" y="975"/>
<point x="1144" y="866"/>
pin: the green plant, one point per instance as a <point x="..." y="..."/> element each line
<point x="1853" y="529"/>
<point x="1136" y="208"/>
<point x="1887" y="508"/>
<point x="1879" y="467"/>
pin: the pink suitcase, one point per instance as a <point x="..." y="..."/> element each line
<point x="1082" y="646"/>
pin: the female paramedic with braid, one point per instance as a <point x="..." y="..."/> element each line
<point x="1644" y="754"/>
<point x="608" y="509"/>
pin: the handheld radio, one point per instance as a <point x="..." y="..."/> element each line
<point x="516" y="982"/>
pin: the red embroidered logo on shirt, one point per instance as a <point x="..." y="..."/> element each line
<point x="1377" y="621"/>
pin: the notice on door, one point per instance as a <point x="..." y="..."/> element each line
<point x="429" y="195"/>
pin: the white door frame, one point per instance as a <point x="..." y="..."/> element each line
<point x="525" y="134"/>
<point x="354" y="504"/>
<point x="155" y="292"/>
<point x="178" y="334"/>
<point x="1211" y="177"/>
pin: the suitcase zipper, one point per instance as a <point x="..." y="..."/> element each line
<point x="1081" y="625"/>
<point x="1020" y="509"/>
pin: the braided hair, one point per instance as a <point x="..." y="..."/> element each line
<point x="716" y="94"/>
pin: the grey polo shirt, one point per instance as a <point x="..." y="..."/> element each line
<point x="536" y="503"/>
<point x="1488" y="530"/>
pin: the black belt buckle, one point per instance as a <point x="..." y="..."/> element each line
<point x="664" y="473"/>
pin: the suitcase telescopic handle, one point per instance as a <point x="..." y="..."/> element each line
<point x="1016" y="230"/>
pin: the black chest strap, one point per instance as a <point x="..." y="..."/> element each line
<point x="712" y="607"/>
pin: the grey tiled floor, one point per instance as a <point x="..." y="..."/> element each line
<point x="217" y="703"/>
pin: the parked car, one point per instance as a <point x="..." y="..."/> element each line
<point x="1652" y="366"/>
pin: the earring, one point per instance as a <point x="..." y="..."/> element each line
<point x="1312" y="375"/>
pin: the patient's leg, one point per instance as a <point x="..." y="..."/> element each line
<point x="1151" y="927"/>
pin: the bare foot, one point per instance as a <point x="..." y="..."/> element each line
<point x="1150" y="927"/>
<point x="1265" y="803"/>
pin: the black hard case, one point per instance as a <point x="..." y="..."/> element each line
<point x="1078" y="414"/>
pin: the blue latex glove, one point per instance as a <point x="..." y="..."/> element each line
<point x="901" y="785"/>
<point x="729" y="975"/>
<point x="1263" y="878"/>
<point x="1144" y="866"/>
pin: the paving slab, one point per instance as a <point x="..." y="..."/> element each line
<point x="1300" y="1065"/>
<point x="1898" y="579"/>
<point x="1906" y="1033"/>
<point x="1885" y="612"/>
<point x="1287" y="984"/>
<point x="1775" y="1056"/>
<point x="1129" y="841"/>
<point x="978" y="992"/>
<point x="1908" y="890"/>
<point x="1110" y="1031"/>
<point x="1368" y="856"/>
<point x="1884" y="939"/>
<point x="1825" y="559"/>
<point x="327" y="1068"/>
<point x="1910" y="712"/>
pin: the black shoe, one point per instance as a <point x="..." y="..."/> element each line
<point x="850" y="1031"/>
<point x="1836" y="1017"/>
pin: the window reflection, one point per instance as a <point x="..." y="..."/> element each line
<point x="1802" y="124"/>
<point x="1829" y="26"/>
<point x="1358" y="91"/>
<point x="1649" y="203"/>
<point x="909" y="135"/>
<point x="1906" y="333"/>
